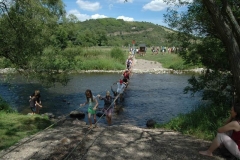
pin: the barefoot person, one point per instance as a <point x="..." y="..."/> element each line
<point x="34" y="104"/>
<point x="228" y="135"/>
<point x="92" y="107"/>
<point x="38" y="98"/>
<point x="108" y="106"/>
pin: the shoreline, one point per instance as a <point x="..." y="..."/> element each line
<point x="140" y="66"/>
<point x="138" y="71"/>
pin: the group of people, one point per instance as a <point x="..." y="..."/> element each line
<point x="110" y="102"/>
<point x="228" y="136"/>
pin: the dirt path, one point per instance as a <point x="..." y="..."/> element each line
<point x="115" y="142"/>
<point x="143" y="66"/>
<point x="71" y="139"/>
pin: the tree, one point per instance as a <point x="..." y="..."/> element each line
<point x="226" y="19"/>
<point x="209" y="30"/>
<point x="26" y="28"/>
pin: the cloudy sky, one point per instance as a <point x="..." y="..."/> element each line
<point x="133" y="10"/>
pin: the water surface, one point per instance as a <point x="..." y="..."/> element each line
<point x="148" y="96"/>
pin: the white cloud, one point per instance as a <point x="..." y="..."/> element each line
<point x="89" y="6"/>
<point x="84" y="17"/>
<point x="125" y="18"/>
<point x="155" y="5"/>
<point x="97" y="16"/>
<point x="81" y="17"/>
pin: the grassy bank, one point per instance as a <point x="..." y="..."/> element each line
<point x="102" y="58"/>
<point x="15" y="126"/>
<point x="202" y="122"/>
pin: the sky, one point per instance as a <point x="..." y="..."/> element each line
<point x="133" y="10"/>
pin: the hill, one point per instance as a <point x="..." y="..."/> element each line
<point x="122" y="33"/>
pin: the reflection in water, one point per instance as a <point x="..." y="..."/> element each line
<point x="156" y="96"/>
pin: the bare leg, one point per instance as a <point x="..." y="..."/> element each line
<point x="215" y="144"/>
<point x="89" y="120"/>
<point x="110" y="120"/>
<point x="95" y="120"/>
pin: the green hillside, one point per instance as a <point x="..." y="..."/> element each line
<point x="122" y="33"/>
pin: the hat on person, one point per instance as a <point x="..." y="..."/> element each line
<point x="108" y="93"/>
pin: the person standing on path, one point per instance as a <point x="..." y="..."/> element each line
<point x="228" y="135"/>
<point x="92" y="107"/>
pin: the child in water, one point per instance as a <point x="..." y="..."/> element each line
<point x="92" y="107"/>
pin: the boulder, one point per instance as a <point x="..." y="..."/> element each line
<point x="150" y="123"/>
<point x="77" y="114"/>
<point x="99" y="114"/>
<point x="50" y="115"/>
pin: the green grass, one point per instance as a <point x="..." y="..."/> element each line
<point x="108" y="58"/>
<point x="101" y="58"/>
<point x="202" y="122"/>
<point x="14" y="127"/>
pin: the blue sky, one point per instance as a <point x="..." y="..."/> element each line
<point x="133" y="10"/>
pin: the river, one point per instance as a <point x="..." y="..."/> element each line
<point x="149" y="96"/>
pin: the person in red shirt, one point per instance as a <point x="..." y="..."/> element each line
<point x="228" y="135"/>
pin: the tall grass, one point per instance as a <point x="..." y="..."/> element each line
<point x="101" y="59"/>
<point x="14" y="126"/>
<point x="202" y="122"/>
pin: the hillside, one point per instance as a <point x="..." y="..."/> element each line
<point x="120" y="32"/>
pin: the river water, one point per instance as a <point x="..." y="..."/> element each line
<point x="149" y="96"/>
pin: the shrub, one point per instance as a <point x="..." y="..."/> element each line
<point x="118" y="54"/>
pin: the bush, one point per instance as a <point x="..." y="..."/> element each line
<point x="5" y="63"/>
<point x="118" y="54"/>
<point x="5" y="107"/>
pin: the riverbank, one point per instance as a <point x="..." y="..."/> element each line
<point x="140" y="66"/>
<point x="72" y="139"/>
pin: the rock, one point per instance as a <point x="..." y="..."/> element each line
<point x="99" y="114"/>
<point x="50" y="115"/>
<point x="77" y="122"/>
<point x="150" y="123"/>
<point x="77" y="114"/>
<point x="65" y="141"/>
